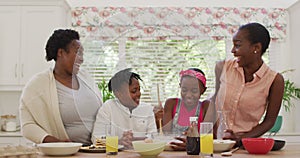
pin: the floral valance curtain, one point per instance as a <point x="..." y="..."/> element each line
<point x="109" y="23"/>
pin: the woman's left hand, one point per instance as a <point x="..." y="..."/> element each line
<point x="229" y="134"/>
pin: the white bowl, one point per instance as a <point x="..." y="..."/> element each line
<point x="223" y="145"/>
<point x="149" y="149"/>
<point x="61" y="148"/>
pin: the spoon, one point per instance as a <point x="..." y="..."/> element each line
<point x="229" y="153"/>
<point x="159" y="104"/>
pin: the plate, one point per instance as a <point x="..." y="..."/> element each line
<point x="87" y="149"/>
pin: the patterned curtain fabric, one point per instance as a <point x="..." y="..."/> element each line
<point x="109" y="23"/>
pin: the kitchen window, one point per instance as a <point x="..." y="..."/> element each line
<point x="157" y="61"/>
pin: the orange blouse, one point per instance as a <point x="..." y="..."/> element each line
<point x="245" y="102"/>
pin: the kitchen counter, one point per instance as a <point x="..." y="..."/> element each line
<point x="13" y="138"/>
<point x="289" y="151"/>
<point x="10" y="134"/>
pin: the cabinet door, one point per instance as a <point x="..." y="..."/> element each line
<point x="9" y="44"/>
<point x="38" y="23"/>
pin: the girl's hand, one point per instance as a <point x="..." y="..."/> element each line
<point x="179" y="146"/>
<point x="158" y="112"/>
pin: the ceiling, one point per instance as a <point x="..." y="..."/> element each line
<point x="184" y="3"/>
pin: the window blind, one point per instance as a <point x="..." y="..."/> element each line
<point x="157" y="62"/>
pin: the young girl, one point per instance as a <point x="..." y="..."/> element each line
<point x="178" y="110"/>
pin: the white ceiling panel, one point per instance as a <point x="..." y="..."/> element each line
<point x="184" y="3"/>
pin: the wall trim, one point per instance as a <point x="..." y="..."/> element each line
<point x="35" y="3"/>
<point x="290" y="138"/>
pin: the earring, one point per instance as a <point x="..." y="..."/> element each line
<point x="255" y="52"/>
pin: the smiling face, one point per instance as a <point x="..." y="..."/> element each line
<point x="71" y="59"/>
<point x="129" y="95"/>
<point x="76" y="51"/>
<point x="191" y="90"/>
<point x="243" y="50"/>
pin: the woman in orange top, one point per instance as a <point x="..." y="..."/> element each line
<point x="246" y="87"/>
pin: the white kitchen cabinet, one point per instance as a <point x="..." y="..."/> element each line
<point x="10" y="17"/>
<point x="24" y="31"/>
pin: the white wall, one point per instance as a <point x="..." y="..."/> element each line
<point x="294" y="55"/>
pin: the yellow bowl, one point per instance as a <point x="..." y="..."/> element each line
<point x="149" y="149"/>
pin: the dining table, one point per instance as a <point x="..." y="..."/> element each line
<point x="289" y="151"/>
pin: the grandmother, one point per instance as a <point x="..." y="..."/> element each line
<point x="60" y="104"/>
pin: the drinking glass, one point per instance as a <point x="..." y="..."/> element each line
<point x="206" y="139"/>
<point x="222" y="124"/>
<point x="111" y="141"/>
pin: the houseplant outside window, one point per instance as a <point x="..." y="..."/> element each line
<point x="106" y="94"/>
<point x="290" y="92"/>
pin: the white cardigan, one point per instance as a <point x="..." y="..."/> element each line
<point x="39" y="107"/>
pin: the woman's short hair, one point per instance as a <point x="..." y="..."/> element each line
<point x="257" y="33"/>
<point x="60" y="39"/>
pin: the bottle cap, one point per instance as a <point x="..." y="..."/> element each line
<point x="193" y="119"/>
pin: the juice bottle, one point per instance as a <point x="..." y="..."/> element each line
<point x="193" y="139"/>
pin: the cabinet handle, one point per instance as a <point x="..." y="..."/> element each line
<point x="22" y="72"/>
<point x="16" y="70"/>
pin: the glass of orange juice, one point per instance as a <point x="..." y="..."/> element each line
<point x="111" y="141"/>
<point x="206" y="139"/>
